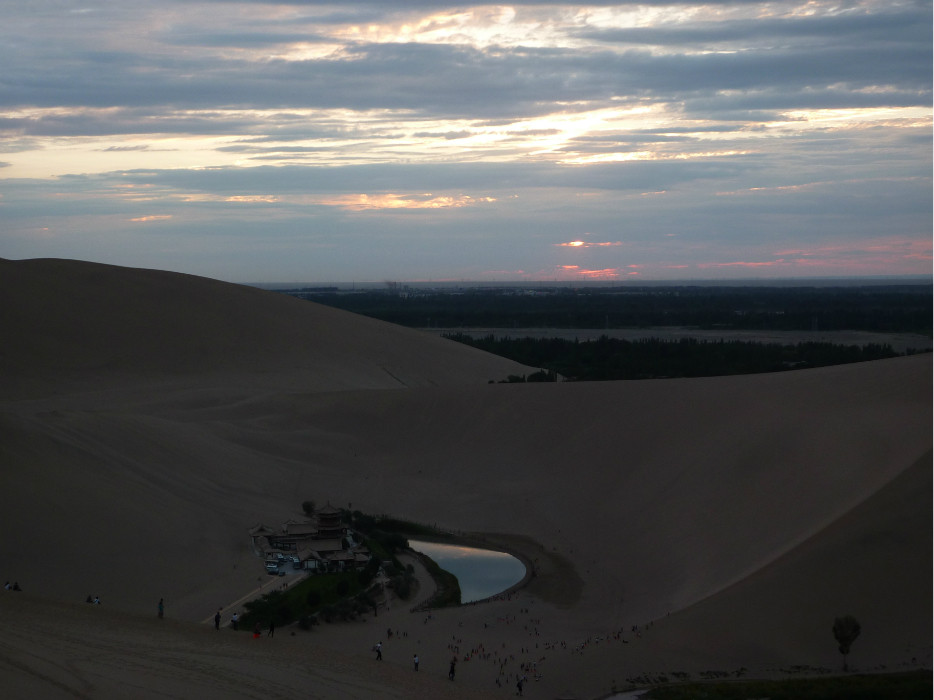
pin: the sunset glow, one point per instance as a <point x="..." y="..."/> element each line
<point x="310" y="140"/>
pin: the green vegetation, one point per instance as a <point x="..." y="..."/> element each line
<point x="612" y="358"/>
<point x="845" y="630"/>
<point x="368" y="524"/>
<point x="904" y="308"/>
<point x="449" y="590"/>
<point x="347" y="595"/>
<point x="387" y="536"/>
<point x="915" y="685"/>
<point x="329" y="596"/>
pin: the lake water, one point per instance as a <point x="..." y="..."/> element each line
<point x="481" y="573"/>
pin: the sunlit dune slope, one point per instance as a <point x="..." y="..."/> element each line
<point x="694" y="497"/>
<point x="84" y="323"/>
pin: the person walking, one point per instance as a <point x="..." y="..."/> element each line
<point x="452" y="668"/>
<point x="272" y="629"/>
<point x="415" y="661"/>
<point x="217" y="620"/>
<point x="161" y="608"/>
<point x="379" y="651"/>
<point x="235" y="621"/>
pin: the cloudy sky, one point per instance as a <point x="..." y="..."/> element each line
<point x="418" y="140"/>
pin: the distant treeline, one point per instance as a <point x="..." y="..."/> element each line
<point x="890" y="309"/>
<point x="612" y="358"/>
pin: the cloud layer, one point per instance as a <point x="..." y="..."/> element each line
<point x="415" y="140"/>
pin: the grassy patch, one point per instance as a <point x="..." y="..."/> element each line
<point x="449" y="590"/>
<point x="340" y="595"/>
<point x="891" y="686"/>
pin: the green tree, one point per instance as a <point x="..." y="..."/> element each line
<point x="845" y="630"/>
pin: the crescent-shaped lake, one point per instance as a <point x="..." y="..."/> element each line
<point x="481" y="573"/>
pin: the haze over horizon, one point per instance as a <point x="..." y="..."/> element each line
<point x="412" y="141"/>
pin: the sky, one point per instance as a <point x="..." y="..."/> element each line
<point x="263" y="141"/>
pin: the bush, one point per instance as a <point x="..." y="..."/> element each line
<point x="400" y="585"/>
<point x="306" y="598"/>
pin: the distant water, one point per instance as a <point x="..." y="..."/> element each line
<point x="481" y="573"/>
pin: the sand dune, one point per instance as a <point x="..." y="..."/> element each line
<point x="149" y="419"/>
<point x="82" y="324"/>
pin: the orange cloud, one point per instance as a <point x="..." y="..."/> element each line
<point x="767" y="263"/>
<point x="606" y="273"/>
<point x="154" y="217"/>
<point x="364" y="202"/>
<point x="585" y="244"/>
<point x="906" y="255"/>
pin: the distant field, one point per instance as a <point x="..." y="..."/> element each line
<point x="900" y="342"/>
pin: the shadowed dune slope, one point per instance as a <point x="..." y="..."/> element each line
<point x="138" y="449"/>
<point x="84" y="323"/>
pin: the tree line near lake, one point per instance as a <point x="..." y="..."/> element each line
<point x="650" y="358"/>
<point x="897" y="308"/>
<point x="905" y="308"/>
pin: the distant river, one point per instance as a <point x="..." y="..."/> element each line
<point x="481" y="573"/>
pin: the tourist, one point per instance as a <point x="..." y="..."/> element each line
<point x="234" y="621"/>
<point x="379" y="651"/>
<point x="452" y="668"/>
<point x="272" y="629"/>
<point x="415" y="661"/>
<point x="217" y="620"/>
<point x="161" y="608"/>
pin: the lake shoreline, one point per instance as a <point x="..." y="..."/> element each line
<point x="554" y="578"/>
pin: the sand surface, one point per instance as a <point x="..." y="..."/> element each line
<point x="149" y="419"/>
